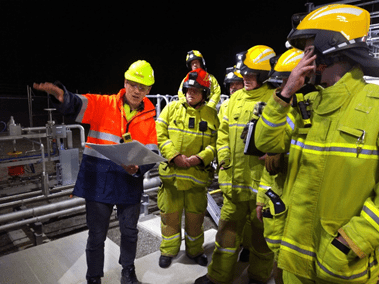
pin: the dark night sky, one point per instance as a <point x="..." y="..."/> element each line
<point x="89" y="45"/>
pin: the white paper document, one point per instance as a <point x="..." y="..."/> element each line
<point x="130" y="153"/>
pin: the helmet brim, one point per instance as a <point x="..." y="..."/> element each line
<point x="369" y="64"/>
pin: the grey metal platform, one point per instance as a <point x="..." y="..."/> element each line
<point x="63" y="261"/>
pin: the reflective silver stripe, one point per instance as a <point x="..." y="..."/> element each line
<point x="161" y="120"/>
<point x="272" y="124"/>
<point x="152" y="147"/>
<point x="222" y="148"/>
<point x="166" y="143"/>
<point x="290" y="123"/>
<point x="104" y="136"/>
<point x="80" y="115"/>
<point x="186" y="177"/>
<point x="226" y="250"/>
<point x="239" y="186"/>
<point x="264" y="186"/>
<point x="312" y="254"/>
<point x="93" y="153"/>
<point x="192" y="239"/>
<point x="211" y="148"/>
<point x="303" y="251"/>
<point x="355" y="276"/>
<point x="275" y="242"/>
<point x="371" y="214"/>
<point x="189" y="132"/>
<point x="225" y="118"/>
<point x="297" y="143"/>
<point x="334" y="149"/>
<point x="236" y="124"/>
<point x="171" y="238"/>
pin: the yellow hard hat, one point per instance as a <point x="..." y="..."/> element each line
<point x="257" y="61"/>
<point x="287" y="62"/>
<point x="140" y="72"/>
<point x="334" y="27"/>
<point x="284" y="64"/>
<point x="232" y="75"/>
<point x="192" y="55"/>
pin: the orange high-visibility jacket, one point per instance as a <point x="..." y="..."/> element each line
<point x="100" y="179"/>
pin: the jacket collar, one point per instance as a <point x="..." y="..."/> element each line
<point x="146" y="104"/>
<point x="333" y="97"/>
<point x="256" y="94"/>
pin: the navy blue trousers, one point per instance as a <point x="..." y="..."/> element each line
<point x="98" y="215"/>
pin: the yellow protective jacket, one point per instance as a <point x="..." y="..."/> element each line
<point x="214" y="96"/>
<point x="241" y="173"/>
<point x="175" y="136"/>
<point x="332" y="181"/>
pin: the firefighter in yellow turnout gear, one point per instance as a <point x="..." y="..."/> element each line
<point x="330" y="225"/>
<point x="187" y="133"/>
<point x="194" y="60"/>
<point x="239" y="177"/>
<point x="269" y="207"/>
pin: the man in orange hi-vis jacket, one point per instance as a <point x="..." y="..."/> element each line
<point x="102" y="182"/>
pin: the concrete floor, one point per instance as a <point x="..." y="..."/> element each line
<point x="63" y="261"/>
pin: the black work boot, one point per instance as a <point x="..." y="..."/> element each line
<point x="203" y="280"/>
<point x="94" y="280"/>
<point x="128" y="275"/>
<point x="200" y="259"/>
<point x="165" y="261"/>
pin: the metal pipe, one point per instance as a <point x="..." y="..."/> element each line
<point x="30" y="129"/>
<point x="41" y="210"/>
<point x="152" y="182"/>
<point x="32" y="194"/>
<point x="149" y="185"/>
<point x="45" y="176"/>
<point x="82" y="133"/>
<point x="42" y="218"/>
<point x="151" y="189"/>
<point x="35" y="199"/>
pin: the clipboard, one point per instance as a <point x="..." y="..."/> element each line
<point x="131" y="153"/>
<point x="250" y="148"/>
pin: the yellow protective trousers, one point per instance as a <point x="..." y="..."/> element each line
<point x="228" y="239"/>
<point x="289" y="278"/>
<point x="172" y="203"/>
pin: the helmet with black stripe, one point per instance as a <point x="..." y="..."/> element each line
<point x="339" y="32"/>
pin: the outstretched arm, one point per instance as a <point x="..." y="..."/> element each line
<point x="52" y="89"/>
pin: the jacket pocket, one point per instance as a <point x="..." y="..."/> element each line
<point x="337" y="266"/>
<point x="166" y="173"/>
<point x="273" y="228"/>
